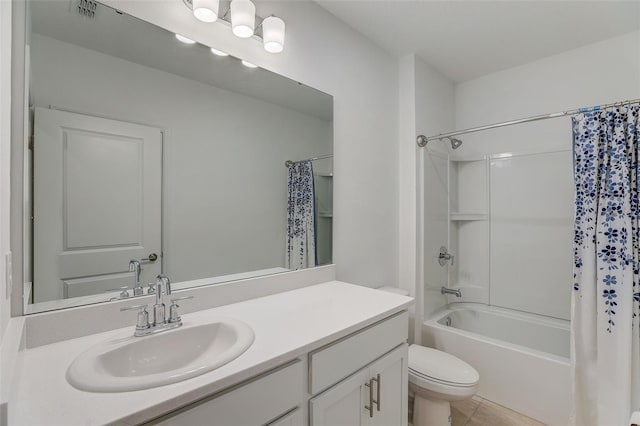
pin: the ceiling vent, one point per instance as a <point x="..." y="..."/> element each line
<point x="86" y="8"/>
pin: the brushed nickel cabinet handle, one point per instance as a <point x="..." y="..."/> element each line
<point x="370" y="406"/>
<point x="378" y="386"/>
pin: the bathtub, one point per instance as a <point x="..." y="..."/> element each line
<point x="523" y="359"/>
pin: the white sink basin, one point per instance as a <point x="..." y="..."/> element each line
<point x="135" y="363"/>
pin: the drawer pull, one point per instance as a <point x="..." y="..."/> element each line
<point x="378" y="385"/>
<point x="371" y="401"/>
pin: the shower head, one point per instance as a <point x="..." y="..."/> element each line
<point x="455" y="143"/>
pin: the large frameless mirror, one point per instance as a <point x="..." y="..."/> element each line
<point x="151" y="155"/>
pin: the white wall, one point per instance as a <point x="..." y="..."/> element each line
<point x="426" y="106"/>
<point x="224" y="153"/>
<point x="5" y="155"/>
<point x="324" y="53"/>
<point x="435" y="113"/>
<point x="599" y="73"/>
<point x="407" y="173"/>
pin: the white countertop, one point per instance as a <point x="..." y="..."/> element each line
<point x="286" y="325"/>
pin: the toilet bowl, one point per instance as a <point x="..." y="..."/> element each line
<point x="436" y="378"/>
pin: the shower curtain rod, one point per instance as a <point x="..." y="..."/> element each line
<point x="422" y="140"/>
<point x="290" y="163"/>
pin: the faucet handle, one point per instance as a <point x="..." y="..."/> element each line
<point x="124" y="291"/>
<point x="143" y="316"/>
<point x="173" y="309"/>
<point x="444" y="256"/>
<point x="151" y="288"/>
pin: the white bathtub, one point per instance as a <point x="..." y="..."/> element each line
<point x="523" y="359"/>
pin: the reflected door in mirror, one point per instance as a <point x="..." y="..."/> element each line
<point x="97" y="203"/>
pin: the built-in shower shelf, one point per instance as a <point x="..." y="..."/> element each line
<point x="460" y="216"/>
<point x="327" y="215"/>
<point x="325" y="174"/>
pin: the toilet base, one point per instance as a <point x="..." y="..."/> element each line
<point x="431" y="412"/>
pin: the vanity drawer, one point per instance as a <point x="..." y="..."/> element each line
<point x="252" y="403"/>
<point x="332" y="363"/>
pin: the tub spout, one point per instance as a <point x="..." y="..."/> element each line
<point x="455" y="292"/>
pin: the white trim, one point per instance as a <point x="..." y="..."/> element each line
<point x="5" y="155"/>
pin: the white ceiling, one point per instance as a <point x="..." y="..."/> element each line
<point x="465" y="39"/>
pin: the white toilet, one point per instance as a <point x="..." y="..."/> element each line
<point x="436" y="378"/>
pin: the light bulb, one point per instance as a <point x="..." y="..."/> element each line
<point x="206" y="10"/>
<point x="249" y="64"/>
<point x="243" y="18"/>
<point x="273" y="34"/>
<point x="184" y="39"/>
<point x="218" y="52"/>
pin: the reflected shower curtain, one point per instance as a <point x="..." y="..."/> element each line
<point x="301" y="218"/>
<point x="605" y="338"/>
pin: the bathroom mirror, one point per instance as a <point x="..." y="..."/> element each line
<point x="152" y="153"/>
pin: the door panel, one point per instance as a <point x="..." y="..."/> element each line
<point x="97" y="203"/>
<point x="341" y="405"/>
<point x="77" y="287"/>
<point x="392" y="368"/>
<point x="102" y="182"/>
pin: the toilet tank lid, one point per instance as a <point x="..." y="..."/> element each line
<point x="395" y="290"/>
<point x="441" y="366"/>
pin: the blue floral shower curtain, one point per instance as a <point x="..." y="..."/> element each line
<point x="301" y="217"/>
<point x="605" y="338"/>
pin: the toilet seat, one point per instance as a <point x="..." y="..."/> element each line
<point x="427" y="364"/>
<point x="418" y="375"/>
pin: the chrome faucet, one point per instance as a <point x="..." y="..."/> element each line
<point x="134" y="266"/>
<point x="163" y="286"/>
<point x="455" y="292"/>
<point x="160" y="321"/>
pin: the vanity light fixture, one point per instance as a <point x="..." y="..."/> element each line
<point x="218" y="52"/>
<point x="241" y="17"/>
<point x="249" y="64"/>
<point x="206" y="10"/>
<point x="184" y="39"/>
<point x="273" y="34"/>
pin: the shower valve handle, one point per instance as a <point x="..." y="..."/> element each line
<point x="444" y="256"/>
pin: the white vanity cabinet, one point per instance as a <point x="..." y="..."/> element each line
<point x="272" y="399"/>
<point x="359" y="380"/>
<point x="374" y="391"/>
<point x="375" y="396"/>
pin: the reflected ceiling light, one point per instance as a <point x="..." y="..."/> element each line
<point x="184" y="39"/>
<point x="243" y="18"/>
<point x="206" y="10"/>
<point x="249" y="64"/>
<point x="218" y="52"/>
<point x="273" y="34"/>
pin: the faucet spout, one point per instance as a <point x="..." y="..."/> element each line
<point x="456" y="292"/>
<point x="163" y="287"/>
<point x="134" y="266"/>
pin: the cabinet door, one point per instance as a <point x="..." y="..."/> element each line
<point x="343" y="404"/>
<point x="391" y="390"/>
<point x="294" y="418"/>
<point x="249" y="404"/>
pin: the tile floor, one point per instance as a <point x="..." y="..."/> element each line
<point x="482" y="412"/>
